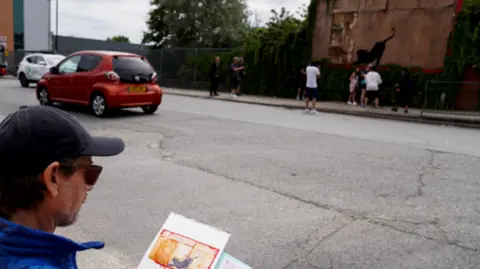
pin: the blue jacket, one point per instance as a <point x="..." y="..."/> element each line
<point x="25" y="248"/>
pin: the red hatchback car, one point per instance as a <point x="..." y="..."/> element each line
<point x="102" y="80"/>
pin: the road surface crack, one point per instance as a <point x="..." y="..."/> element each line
<point x="425" y="170"/>
<point x="375" y="220"/>
<point x="444" y="239"/>
<point x="317" y="244"/>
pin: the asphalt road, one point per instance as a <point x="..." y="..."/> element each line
<point x="296" y="191"/>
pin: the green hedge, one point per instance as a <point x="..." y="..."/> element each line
<point x="333" y="83"/>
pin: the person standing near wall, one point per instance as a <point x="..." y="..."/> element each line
<point x="302" y="79"/>
<point x="313" y="74"/>
<point x="234" y="76"/>
<point x="402" y="91"/>
<point x="373" y="80"/>
<point x="214" y="76"/>
<point x="362" y="85"/>
<point x="353" y="87"/>
<point x="241" y="76"/>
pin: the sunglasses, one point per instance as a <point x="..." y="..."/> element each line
<point x="91" y="172"/>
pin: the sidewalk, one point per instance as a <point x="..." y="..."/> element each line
<point x="414" y="115"/>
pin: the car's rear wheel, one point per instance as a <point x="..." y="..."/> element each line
<point x="98" y="105"/>
<point x="150" y="109"/>
<point x="23" y="80"/>
<point x="43" y="97"/>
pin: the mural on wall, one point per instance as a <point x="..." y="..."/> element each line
<point x="375" y="54"/>
<point x="342" y="44"/>
<point x="349" y="32"/>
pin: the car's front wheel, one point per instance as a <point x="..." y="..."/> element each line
<point x="98" y="105"/>
<point x="43" y="97"/>
<point x="23" y="80"/>
<point x="150" y="109"/>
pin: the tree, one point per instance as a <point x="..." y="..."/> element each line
<point x="203" y="23"/>
<point x="119" y="38"/>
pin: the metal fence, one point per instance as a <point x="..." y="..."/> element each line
<point x="452" y="97"/>
<point x="183" y="67"/>
<point x="177" y="67"/>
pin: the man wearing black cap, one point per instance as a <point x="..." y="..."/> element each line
<point x="46" y="171"/>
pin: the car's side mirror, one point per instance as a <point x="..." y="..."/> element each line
<point x="42" y="63"/>
<point x="54" y="70"/>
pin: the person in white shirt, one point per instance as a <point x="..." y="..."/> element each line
<point x="313" y="74"/>
<point x="373" y="81"/>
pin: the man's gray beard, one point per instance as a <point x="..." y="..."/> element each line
<point x="65" y="220"/>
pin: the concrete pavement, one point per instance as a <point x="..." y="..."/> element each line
<point x="296" y="191"/>
<point x="414" y="115"/>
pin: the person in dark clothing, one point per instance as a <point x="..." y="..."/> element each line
<point x="362" y="85"/>
<point x="402" y="91"/>
<point x="241" y="76"/>
<point x="302" y="84"/>
<point x="235" y="68"/>
<point x="214" y="76"/>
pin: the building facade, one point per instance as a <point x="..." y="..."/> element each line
<point x="421" y="28"/>
<point x="25" y="24"/>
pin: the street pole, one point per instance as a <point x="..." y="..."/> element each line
<point x="50" y="25"/>
<point x="56" y="25"/>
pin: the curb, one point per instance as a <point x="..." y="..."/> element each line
<point x="475" y="124"/>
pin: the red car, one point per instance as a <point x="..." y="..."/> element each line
<point x="102" y="80"/>
<point x="3" y="70"/>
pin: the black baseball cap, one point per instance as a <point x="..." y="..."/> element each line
<point x="34" y="137"/>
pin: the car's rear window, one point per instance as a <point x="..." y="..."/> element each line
<point x="128" y="67"/>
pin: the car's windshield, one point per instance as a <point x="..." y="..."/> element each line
<point x="54" y="59"/>
<point x="128" y="67"/>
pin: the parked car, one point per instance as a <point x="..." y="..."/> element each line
<point x="3" y="61"/>
<point x="3" y="70"/>
<point x="102" y="80"/>
<point x="33" y="66"/>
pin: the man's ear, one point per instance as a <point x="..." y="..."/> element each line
<point x="50" y="179"/>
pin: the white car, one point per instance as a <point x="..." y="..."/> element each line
<point x="35" y="65"/>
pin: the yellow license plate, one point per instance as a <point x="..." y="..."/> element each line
<point x="137" y="89"/>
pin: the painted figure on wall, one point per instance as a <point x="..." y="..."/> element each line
<point x="375" y="54"/>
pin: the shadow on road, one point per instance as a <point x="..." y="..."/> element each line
<point x="114" y="114"/>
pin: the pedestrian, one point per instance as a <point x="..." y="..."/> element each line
<point x="47" y="171"/>
<point x="402" y="91"/>
<point x="313" y="74"/>
<point x="214" y="76"/>
<point x="302" y="82"/>
<point x="241" y="76"/>
<point x="353" y="87"/>
<point x="234" y="76"/>
<point x="362" y="85"/>
<point x="373" y="80"/>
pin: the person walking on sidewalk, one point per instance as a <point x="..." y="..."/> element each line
<point x="47" y="171"/>
<point x="373" y="81"/>
<point x="214" y="76"/>
<point x="313" y="74"/>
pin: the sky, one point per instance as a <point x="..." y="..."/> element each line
<point x="99" y="19"/>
